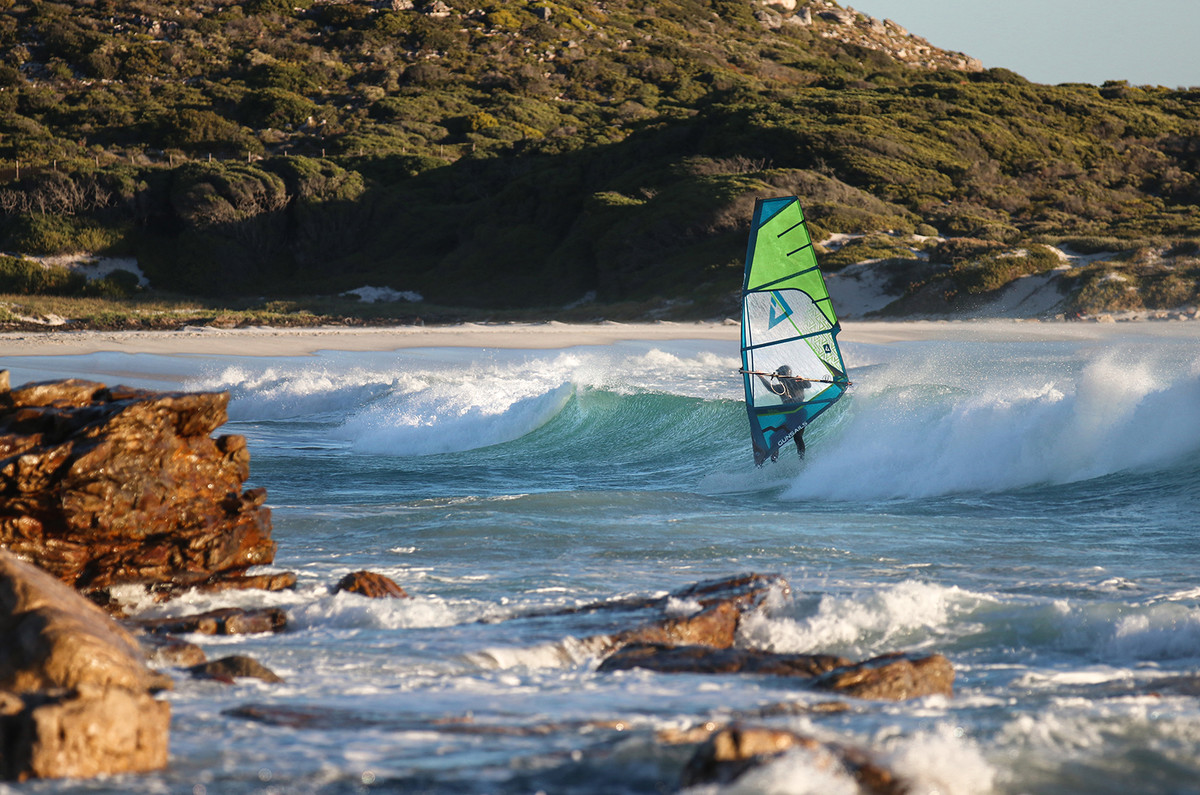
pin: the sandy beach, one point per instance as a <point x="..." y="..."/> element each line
<point x="262" y="341"/>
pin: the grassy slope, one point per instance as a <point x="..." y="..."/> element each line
<point x="524" y="156"/>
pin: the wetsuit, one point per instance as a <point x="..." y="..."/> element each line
<point x="791" y="390"/>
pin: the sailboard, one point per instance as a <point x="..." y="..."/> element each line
<point x="789" y="330"/>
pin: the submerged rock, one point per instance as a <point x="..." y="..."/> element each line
<point x="708" y="660"/>
<point x="230" y="668"/>
<point x="895" y="677"/>
<point x="105" y="486"/>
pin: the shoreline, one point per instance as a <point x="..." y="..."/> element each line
<point x="271" y="341"/>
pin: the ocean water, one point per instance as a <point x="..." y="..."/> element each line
<point x="1027" y="507"/>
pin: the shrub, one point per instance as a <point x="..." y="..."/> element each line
<point x="39" y="234"/>
<point x="27" y="277"/>
<point x="993" y="271"/>
<point x="276" y="107"/>
<point x="871" y="247"/>
<point x="203" y="131"/>
<point x="118" y="284"/>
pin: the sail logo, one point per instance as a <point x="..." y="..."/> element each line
<point x="783" y="313"/>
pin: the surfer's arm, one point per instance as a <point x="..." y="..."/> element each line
<point x="777" y="389"/>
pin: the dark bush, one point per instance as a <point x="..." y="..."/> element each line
<point x="27" y="277"/>
<point x="118" y="284"/>
<point x="275" y="107"/>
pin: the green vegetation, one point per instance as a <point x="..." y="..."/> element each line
<point x="520" y="156"/>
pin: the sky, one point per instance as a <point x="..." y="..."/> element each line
<point x="1148" y="42"/>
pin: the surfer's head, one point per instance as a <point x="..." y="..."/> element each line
<point x="784" y="370"/>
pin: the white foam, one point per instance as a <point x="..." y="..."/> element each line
<point x="943" y="760"/>
<point x="929" y="426"/>
<point x="796" y="772"/>
<point x="858" y="623"/>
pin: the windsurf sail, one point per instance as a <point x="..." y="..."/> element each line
<point x="789" y="330"/>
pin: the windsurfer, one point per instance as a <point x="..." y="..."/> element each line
<point x="790" y="389"/>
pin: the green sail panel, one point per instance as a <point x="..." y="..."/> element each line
<point x="788" y="320"/>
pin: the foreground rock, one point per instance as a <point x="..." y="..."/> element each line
<point x="105" y="486"/>
<point x="75" y="696"/>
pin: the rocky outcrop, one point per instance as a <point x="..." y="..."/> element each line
<point x="75" y="695"/>
<point x="831" y="21"/>
<point x="104" y="486"/>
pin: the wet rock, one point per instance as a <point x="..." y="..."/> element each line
<point x="224" y="621"/>
<point x="372" y="585"/>
<point x="167" y="650"/>
<point x="731" y="752"/>
<point x="105" y="486"/>
<point x="227" y="669"/>
<point x="741" y="590"/>
<point x="894" y="677"/>
<point x="708" y="660"/>
<point x="718" y="607"/>
<point x="78" y="700"/>
<point x="714" y="626"/>
<point x="278" y="581"/>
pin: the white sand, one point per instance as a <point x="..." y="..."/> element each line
<point x="296" y="342"/>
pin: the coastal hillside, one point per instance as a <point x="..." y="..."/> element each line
<point x="542" y="155"/>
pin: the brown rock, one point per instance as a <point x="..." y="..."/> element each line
<point x="167" y="650"/>
<point x="894" y="677"/>
<point x="77" y="734"/>
<point x="722" y="603"/>
<point x="740" y="590"/>
<point x="104" y="486"/>
<point x="704" y="659"/>
<point x="731" y="752"/>
<point x="51" y="637"/>
<point x="279" y="581"/>
<point x="229" y="668"/>
<point x="224" y="621"/>
<point x="79" y="701"/>
<point x="370" y="584"/>
<point x="713" y="626"/>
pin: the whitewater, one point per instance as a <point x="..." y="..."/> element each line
<point x="1024" y="504"/>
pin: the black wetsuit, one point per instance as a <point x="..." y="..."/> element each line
<point x="791" y="390"/>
